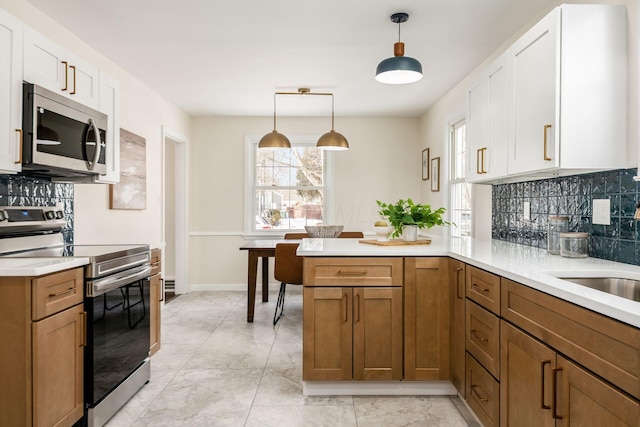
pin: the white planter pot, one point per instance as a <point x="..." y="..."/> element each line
<point x="410" y="233"/>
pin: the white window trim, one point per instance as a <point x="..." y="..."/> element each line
<point x="451" y="122"/>
<point x="251" y="141"/>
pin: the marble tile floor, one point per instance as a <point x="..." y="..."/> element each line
<point x="215" y="369"/>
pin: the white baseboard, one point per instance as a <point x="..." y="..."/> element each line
<point x="378" y="388"/>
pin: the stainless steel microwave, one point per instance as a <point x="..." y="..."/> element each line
<point x="61" y="137"/>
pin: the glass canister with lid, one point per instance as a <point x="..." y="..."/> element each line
<point x="574" y="245"/>
<point x="557" y="225"/>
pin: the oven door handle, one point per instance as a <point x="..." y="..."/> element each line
<point x="102" y="286"/>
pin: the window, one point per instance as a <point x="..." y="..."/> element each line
<point x="460" y="191"/>
<point x="288" y="187"/>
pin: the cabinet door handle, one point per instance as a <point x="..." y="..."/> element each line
<point x="554" y="395"/>
<point x="475" y="285"/>
<point x="542" y="365"/>
<point x="73" y="67"/>
<point x="20" y="133"/>
<point x="161" y="290"/>
<point x="345" y="304"/>
<point x="57" y="294"/>
<point x="458" y="294"/>
<point x="83" y="316"/>
<point x="351" y="273"/>
<point x="473" y="390"/>
<point x="546" y="128"/>
<point x="478" y="154"/>
<point x="66" y="75"/>
<point x="482" y="151"/>
<point x="358" y="309"/>
<point x="475" y="334"/>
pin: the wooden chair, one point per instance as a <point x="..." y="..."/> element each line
<point x="288" y="270"/>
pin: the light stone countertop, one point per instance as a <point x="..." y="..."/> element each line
<point x="530" y="266"/>
<point x="38" y="266"/>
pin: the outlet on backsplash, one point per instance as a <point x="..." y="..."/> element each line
<point x="601" y="212"/>
<point x="527" y="211"/>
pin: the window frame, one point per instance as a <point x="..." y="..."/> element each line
<point x="452" y="126"/>
<point x="251" y="147"/>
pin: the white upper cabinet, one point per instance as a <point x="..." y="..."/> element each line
<point x="11" y="31"/>
<point x="568" y="101"/>
<point x="110" y="105"/>
<point x="53" y="67"/>
<point x="487" y="123"/>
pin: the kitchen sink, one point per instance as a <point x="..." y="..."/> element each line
<point x="625" y="288"/>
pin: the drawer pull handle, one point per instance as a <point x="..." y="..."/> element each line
<point x="473" y="389"/>
<point x="475" y="285"/>
<point x="57" y="294"/>
<point x="554" y="388"/>
<point x="351" y="273"/>
<point x="475" y="334"/>
<point x="542" y="365"/>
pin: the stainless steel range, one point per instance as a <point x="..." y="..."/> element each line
<point x="117" y="302"/>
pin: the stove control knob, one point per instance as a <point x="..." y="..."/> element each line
<point x="50" y="214"/>
<point x="59" y="215"/>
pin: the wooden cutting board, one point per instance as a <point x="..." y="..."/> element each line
<point x="396" y="242"/>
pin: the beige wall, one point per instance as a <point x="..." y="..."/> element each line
<point x="434" y="123"/>
<point x="382" y="163"/>
<point x="143" y="112"/>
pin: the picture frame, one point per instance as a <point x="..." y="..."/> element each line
<point x="425" y="164"/>
<point x="435" y="174"/>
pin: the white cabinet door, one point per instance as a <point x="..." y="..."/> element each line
<point x="11" y="32"/>
<point x="487" y="123"/>
<point x="49" y="65"/>
<point x="110" y="105"/>
<point x="534" y="61"/>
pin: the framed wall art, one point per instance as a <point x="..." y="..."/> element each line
<point x="425" y="164"/>
<point x="131" y="191"/>
<point x="435" y="174"/>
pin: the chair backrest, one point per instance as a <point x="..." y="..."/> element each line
<point x="295" y="236"/>
<point x="351" y="234"/>
<point x="288" y="266"/>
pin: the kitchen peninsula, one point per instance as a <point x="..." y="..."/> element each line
<point x="478" y="314"/>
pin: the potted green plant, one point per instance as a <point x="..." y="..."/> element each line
<point x="406" y="213"/>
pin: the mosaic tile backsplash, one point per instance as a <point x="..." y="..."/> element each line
<point x="572" y="196"/>
<point x="16" y="190"/>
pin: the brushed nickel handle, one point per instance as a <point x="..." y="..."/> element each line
<point x="475" y="334"/>
<point x="473" y="390"/>
<point x="458" y="270"/>
<point x="475" y="285"/>
<point x="57" y="294"/>
<point x="73" y="67"/>
<point x="554" y="395"/>
<point x="66" y="75"/>
<point x="21" y="133"/>
<point x="542" y="365"/>
<point x="83" y="316"/>
<point x="546" y="127"/>
<point x="351" y="273"/>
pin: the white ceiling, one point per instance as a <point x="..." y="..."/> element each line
<point x="214" y="57"/>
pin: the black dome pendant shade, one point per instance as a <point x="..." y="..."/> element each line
<point x="399" y="69"/>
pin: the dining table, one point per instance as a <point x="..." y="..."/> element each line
<point x="265" y="249"/>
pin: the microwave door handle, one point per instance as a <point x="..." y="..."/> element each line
<point x="96" y="156"/>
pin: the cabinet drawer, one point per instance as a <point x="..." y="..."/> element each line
<point x="352" y="271"/>
<point x="483" y="337"/>
<point x="484" y="288"/>
<point x="56" y="292"/>
<point x="605" y="346"/>
<point x="483" y="393"/>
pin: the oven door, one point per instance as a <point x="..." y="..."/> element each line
<point x="118" y="328"/>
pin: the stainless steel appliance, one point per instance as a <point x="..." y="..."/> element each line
<point x="117" y="302"/>
<point x="61" y="137"/>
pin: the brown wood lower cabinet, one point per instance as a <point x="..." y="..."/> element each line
<point x="540" y="388"/>
<point x="457" y="291"/>
<point x="156" y="297"/>
<point x="483" y="393"/>
<point x="352" y="333"/>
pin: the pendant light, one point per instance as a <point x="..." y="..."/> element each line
<point x="331" y="140"/>
<point x="399" y="69"/>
